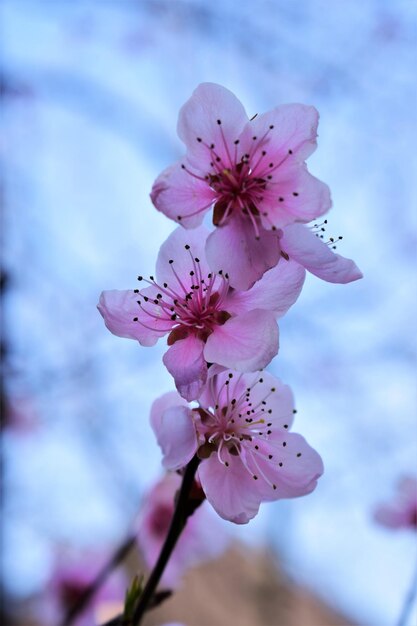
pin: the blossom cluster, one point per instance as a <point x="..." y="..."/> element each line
<point x="218" y="292"/>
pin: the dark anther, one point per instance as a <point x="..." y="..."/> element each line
<point x="171" y="261"/>
<point x="140" y="277"/>
<point x="236" y="142"/>
<point x="183" y="166"/>
<point x="289" y="151"/>
<point x="135" y="319"/>
<point x="281" y="199"/>
<point x="136" y="291"/>
<point x="254" y="138"/>
<point x="271" y="127"/>
<point x="219" y="122"/>
<point x="187" y="247"/>
<point x="284" y="443"/>
<point x="295" y="193"/>
<point x="199" y="139"/>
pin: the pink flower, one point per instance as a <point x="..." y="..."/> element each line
<point x="401" y="512"/>
<point x="202" y="539"/>
<point x="206" y="320"/>
<point x="251" y="171"/>
<point x="240" y="431"/>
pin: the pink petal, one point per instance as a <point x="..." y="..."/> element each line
<point x="301" y="465"/>
<point x="173" y="249"/>
<point x="198" y="119"/>
<point x="175" y="432"/>
<point x="181" y="196"/>
<point x="276" y="291"/>
<point x="231" y="490"/>
<point x="294" y="128"/>
<point x="285" y="465"/>
<point x="234" y="249"/>
<point x="307" y="249"/>
<point x="392" y="516"/>
<point x="185" y="361"/>
<point x="293" y="195"/>
<point x="163" y="403"/>
<point x="246" y="343"/>
<point x="119" y="310"/>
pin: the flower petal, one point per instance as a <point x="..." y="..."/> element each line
<point x="185" y="361"/>
<point x="276" y="291"/>
<point x="175" y="433"/>
<point x="119" y="310"/>
<point x="293" y="195"/>
<point x="285" y="465"/>
<point x="294" y="128"/>
<point x="234" y="249"/>
<point x="181" y="196"/>
<point x="231" y="491"/>
<point x="246" y="343"/>
<point x="175" y="262"/>
<point x="307" y="249"/>
<point x="198" y="119"/>
<point x="301" y="464"/>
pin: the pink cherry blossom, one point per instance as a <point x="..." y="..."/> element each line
<point x="205" y="319"/>
<point x="401" y="512"/>
<point x="240" y="430"/>
<point x="202" y="539"/>
<point x="253" y="174"/>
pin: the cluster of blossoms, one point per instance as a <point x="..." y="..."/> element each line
<point x="217" y="294"/>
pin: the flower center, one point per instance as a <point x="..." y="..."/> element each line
<point x="192" y="301"/>
<point x="237" y="190"/>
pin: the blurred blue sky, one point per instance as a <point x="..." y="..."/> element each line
<point x="92" y="92"/>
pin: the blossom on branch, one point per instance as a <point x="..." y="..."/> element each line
<point x="240" y="430"/>
<point x="206" y="320"/>
<point x="253" y="174"/>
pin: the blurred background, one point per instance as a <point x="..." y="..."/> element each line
<point x="90" y="96"/>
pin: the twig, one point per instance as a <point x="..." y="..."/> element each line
<point x="92" y="589"/>
<point x="409" y="601"/>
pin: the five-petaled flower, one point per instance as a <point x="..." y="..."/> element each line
<point x="253" y="174"/>
<point x="401" y="512"/>
<point x="206" y="320"/>
<point x="240" y="431"/>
